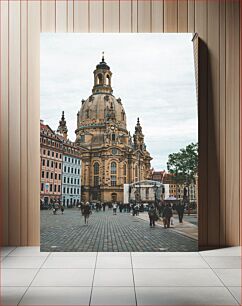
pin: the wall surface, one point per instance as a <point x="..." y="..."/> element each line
<point x="216" y="22"/>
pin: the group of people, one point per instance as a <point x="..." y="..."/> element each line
<point x="155" y="216"/>
<point x="56" y="207"/>
<point x="155" y="212"/>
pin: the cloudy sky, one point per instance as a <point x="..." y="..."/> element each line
<point x="153" y="74"/>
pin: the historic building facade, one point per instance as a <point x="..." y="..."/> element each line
<point x="71" y="179"/>
<point x="110" y="156"/>
<point x="71" y="168"/>
<point x="50" y="164"/>
<point x="60" y="166"/>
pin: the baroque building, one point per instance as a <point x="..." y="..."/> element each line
<point x="110" y="156"/>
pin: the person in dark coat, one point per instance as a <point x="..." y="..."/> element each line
<point x="86" y="210"/>
<point x="167" y="214"/>
<point x="180" y="211"/>
<point x="152" y="215"/>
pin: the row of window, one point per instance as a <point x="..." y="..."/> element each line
<point x="50" y="163"/>
<point x="51" y="189"/>
<point x="69" y="180"/>
<point x="50" y="175"/>
<point x="49" y="142"/>
<point x="67" y="190"/>
<point x="73" y="160"/>
<point x="71" y="170"/>
<point x="57" y="145"/>
<point x="71" y="201"/>
<point x="52" y="153"/>
<point x="59" y="155"/>
<point x="113" y="168"/>
<point x="113" y="180"/>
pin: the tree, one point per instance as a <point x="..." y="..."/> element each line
<point x="184" y="164"/>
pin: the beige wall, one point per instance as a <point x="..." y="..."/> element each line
<point x="217" y="23"/>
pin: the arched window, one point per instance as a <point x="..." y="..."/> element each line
<point x="96" y="173"/>
<point x="96" y="168"/>
<point x="99" y="79"/>
<point x="107" y="79"/>
<point x="113" y="174"/>
<point x="113" y="168"/>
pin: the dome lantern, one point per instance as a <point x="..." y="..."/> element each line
<point x="102" y="78"/>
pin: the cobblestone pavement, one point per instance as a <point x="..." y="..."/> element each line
<point x="107" y="233"/>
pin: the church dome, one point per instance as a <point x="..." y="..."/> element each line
<point x="100" y="109"/>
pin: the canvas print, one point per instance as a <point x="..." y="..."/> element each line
<point x="118" y="143"/>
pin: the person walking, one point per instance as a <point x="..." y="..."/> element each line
<point x="104" y="206"/>
<point x="86" y="210"/>
<point x="152" y="215"/>
<point x="62" y="209"/>
<point x="167" y="214"/>
<point x="180" y="211"/>
<point x="114" y="208"/>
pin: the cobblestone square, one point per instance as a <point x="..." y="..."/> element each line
<point x="107" y="233"/>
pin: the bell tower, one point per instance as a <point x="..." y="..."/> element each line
<point x="102" y="78"/>
<point x="138" y="137"/>
<point x="62" y="128"/>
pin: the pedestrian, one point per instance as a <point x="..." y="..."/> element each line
<point x="62" y="209"/>
<point x="180" y="211"/>
<point x="167" y="214"/>
<point x="135" y="209"/>
<point x="152" y="215"/>
<point x="114" y="208"/>
<point x="86" y="211"/>
<point x="104" y="206"/>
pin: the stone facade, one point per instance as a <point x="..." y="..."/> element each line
<point x="110" y="156"/>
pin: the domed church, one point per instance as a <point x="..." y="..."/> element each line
<point x="110" y="156"/>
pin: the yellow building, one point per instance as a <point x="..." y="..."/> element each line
<point x="110" y="156"/>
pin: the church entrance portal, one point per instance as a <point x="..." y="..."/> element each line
<point x="114" y="197"/>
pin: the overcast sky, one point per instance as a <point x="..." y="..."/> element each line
<point x="153" y="74"/>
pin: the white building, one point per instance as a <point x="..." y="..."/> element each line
<point x="71" y="180"/>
